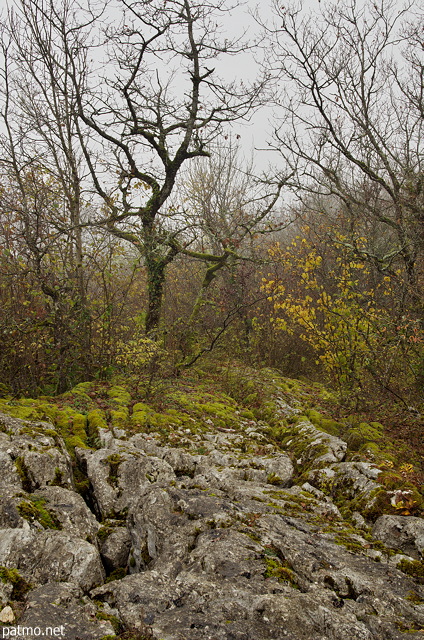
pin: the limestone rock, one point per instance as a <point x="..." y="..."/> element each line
<point x="71" y="511"/>
<point x="62" y="606"/>
<point x="118" y="475"/>
<point x="30" y="457"/>
<point x="350" y="480"/>
<point x="47" y="556"/>
<point x="10" y="482"/>
<point x="405" y="533"/>
<point x="115" y="549"/>
<point x="9" y="514"/>
<point x="278" y="468"/>
<point x="225" y="544"/>
<point x="314" y="447"/>
<point x="7" y="615"/>
<point x="6" y="590"/>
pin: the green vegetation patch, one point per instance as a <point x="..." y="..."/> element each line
<point x="20" y="585"/>
<point x="114" y="461"/>
<point x="104" y="532"/>
<point x="413" y="568"/>
<point x="33" y="509"/>
<point x="349" y="541"/>
<point x="277" y="567"/>
<point x="119" y="394"/>
<point x="58" y="480"/>
<point x="23" y="473"/>
<point x="324" y="424"/>
<point x="117" y="574"/>
<point x="116" y="624"/>
<point x="414" y="597"/>
<point x="119" y="417"/>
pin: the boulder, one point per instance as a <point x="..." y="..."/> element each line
<point x="31" y="456"/>
<point x="117" y="476"/>
<point x="115" y="549"/>
<point x="405" y="533"/>
<point x="48" y="556"/>
<point x="70" y="511"/>
<point x="313" y="447"/>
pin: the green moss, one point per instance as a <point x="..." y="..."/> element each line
<point x="33" y="509"/>
<point x="372" y="450"/>
<point x="141" y="415"/>
<point x="267" y="411"/>
<point x="23" y="473"/>
<point x="58" y="479"/>
<point x="22" y="412"/>
<point x="52" y="433"/>
<point x="104" y="532"/>
<point x="251" y="399"/>
<point x="223" y="415"/>
<point x="390" y="479"/>
<point x="280" y="569"/>
<point x="119" y="395"/>
<point x="251" y="534"/>
<point x="82" y="487"/>
<point x="29" y="409"/>
<point x="414" y="597"/>
<point x="277" y="432"/>
<point x="73" y="442"/>
<point x="413" y="568"/>
<point x="72" y="422"/>
<point x="378" y="427"/>
<point x="117" y="627"/>
<point x="82" y="387"/>
<point x="96" y="420"/>
<point x="113" y="461"/>
<point x="359" y="435"/>
<point x="117" y="574"/>
<point x="20" y="585"/>
<point x="119" y="417"/>
<point x="324" y="424"/>
<point x="349" y="542"/>
<point x="379" y="502"/>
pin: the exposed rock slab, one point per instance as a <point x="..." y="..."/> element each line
<point x="62" y="606"/>
<point x="217" y="545"/>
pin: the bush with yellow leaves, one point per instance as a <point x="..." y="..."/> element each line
<point x="144" y="359"/>
<point x="345" y="312"/>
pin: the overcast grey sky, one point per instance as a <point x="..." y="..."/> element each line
<point x="255" y="133"/>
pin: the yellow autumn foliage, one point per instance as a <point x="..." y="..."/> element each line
<point x="335" y="301"/>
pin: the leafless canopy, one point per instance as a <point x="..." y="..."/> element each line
<point x="350" y="113"/>
<point x="132" y="92"/>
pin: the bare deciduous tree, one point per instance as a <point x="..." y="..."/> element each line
<point x="156" y="103"/>
<point x="352" y="125"/>
<point x="41" y="198"/>
<point x="228" y="210"/>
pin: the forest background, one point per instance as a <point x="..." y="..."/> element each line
<point x="135" y="237"/>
